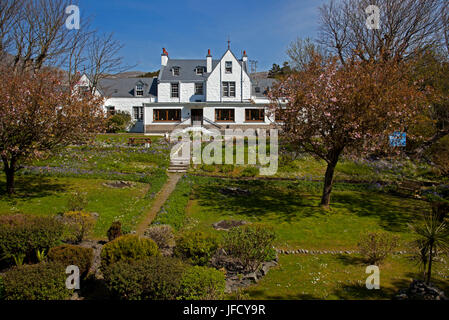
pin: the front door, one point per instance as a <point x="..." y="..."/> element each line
<point x="197" y="116"/>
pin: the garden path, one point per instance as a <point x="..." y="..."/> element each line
<point x="159" y="201"/>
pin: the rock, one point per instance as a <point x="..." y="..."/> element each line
<point x="419" y="290"/>
<point x="95" y="215"/>
<point x="234" y="191"/>
<point x="228" y="224"/>
<point x="251" y="277"/>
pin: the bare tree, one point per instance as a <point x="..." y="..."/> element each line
<point x="302" y="52"/>
<point x="406" y="28"/>
<point x="445" y="24"/>
<point x="102" y="58"/>
<point x="9" y="15"/>
<point x="40" y="35"/>
<point x="34" y="34"/>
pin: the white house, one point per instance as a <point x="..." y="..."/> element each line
<point x="216" y="93"/>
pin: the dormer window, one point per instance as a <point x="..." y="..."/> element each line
<point x="139" y="90"/>
<point x="228" y="66"/>
<point x="200" y="70"/>
<point x="175" y="71"/>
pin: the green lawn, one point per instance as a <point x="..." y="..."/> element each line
<point x="45" y="185"/>
<point x="309" y="168"/>
<point x="49" y="196"/>
<point x="339" y="277"/>
<point x="293" y="210"/>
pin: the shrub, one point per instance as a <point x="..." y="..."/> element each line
<point x="196" y="247"/>
<point x="162" y="235"/>
<point x="77" y="201"/>
<point x="79" y="225"/>
<point x="202" y="283"/>
<point x="208" y="167"/>
<point x="249" y="172"/>
<point x="376" y="246"/>
<point x="115" y="230"/>
<point x="68" y="254"/>
<point x="439" y="156"/>
<point x="24" y="235"/>
<point x="118" y="122"/>
<point x="128" y="248"/>
<point x="43" y="281"/>
<point x="250" y="245"/>
<point x="227" y="168"/>
<point x="2" y="289"/>
<point x="155" y="278"/>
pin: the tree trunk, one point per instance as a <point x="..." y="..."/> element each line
<point x="328" y="181"/>
<point x="9" y="168"/>
<point x="9" y="181"/>
<point x="429" y="270"/>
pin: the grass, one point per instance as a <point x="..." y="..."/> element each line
<point x="291" y="207"/>
<point x="45" y="185"/>
<point x="174" y="210"/>
<point x="309" y="168"/>
<point x="339" y="277"/>
<point x="49" y="196"/>
<point x="294" y="212"/>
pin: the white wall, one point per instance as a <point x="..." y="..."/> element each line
<point x="186" y="92"/>
<point x="127" y="104"/>
<point x="219" y="75"/>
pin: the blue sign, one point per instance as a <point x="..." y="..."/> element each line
<point x="398" y="139"/>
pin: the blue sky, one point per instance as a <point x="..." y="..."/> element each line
<point x="187" y="28"/>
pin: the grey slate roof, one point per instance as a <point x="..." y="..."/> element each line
<point x="186" y="70"/>
<point x="124" y="87"/>
<point x="263" y="84"/>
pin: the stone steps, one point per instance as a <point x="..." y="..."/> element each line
<point x="179" y="166"/>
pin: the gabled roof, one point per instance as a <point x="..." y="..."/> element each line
<point x="187" y="70"/>
<point x="243" y="65"/>
<point x="124" y="87"/>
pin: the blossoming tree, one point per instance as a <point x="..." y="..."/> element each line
<point x="332" y="109"/>
<point x="40" y="113"/>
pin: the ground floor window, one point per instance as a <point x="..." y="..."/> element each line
<point x="167" y="114"/>
<point x="255" y="115"/>
<point x="224" y="115"/>
<point x="138" y="113"/>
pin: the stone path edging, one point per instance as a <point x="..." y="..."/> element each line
<point x="316" y="252"/>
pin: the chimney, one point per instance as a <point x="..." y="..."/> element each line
<point x="164" y="57"/>
<point x="209" y="62"/>
<point x="245" y="60"/>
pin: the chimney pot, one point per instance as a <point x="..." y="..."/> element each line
<point x="164" y="57"/>
<point x="208" y="62"/>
